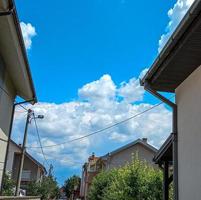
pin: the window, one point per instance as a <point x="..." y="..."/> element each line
<point x="26" y="175"/>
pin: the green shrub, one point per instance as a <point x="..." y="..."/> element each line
<point x="46" y="189"/>
<point x="8" y="185"/>
<point x="70" y="184"/>
<point x="101" y="184"/>
<point x="137" y="181"/>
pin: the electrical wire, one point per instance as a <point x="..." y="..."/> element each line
<point x="101" y="130"/>
<point x="39" y="140"/>
<point x="85" y="136"/>
<point x="7" y="93"/>
<point x="22" y="106"/>
<point x="54" y="157"/>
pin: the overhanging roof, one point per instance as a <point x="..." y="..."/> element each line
<point x="165" y="152"/>
<point x="30" y="157"/>
<point x="138" y="141"/>
<point x="13" y="52"/>
<point x="180" y="56"/>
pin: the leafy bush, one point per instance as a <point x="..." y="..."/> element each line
<point x="70" y="184"/>
<point x="101" y="184"/>
<point x="8" y="185"/>
<point x="46" y="189"/>
<point x="137" y="181"/>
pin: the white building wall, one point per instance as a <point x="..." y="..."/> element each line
<point x="188" y="98"/>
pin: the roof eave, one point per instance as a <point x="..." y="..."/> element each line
<point x="8" y="14"/>
<point x="138" y="141"/>
<point x="30" y="156"/>
<point x="22" y="45"/>
<point x="163" y="149"/>
<point x="172" y="43"/>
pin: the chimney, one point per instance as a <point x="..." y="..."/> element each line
<point x="91" y="157"/>
<point x="144" y="140"/>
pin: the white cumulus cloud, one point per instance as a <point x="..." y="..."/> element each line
<point x="131" y="91"/>
<point x="28" y="32"/>
<point x="175" y="15"/>
<point x="99" y="104"/>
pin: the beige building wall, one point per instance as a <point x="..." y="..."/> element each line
<point x="6" y="106"/>
<point x="188" y="99"/>
<point x="28" y="165"/>
<point x="31" y="169"/>
<point x="12" y="149"/>
<point x="124" y="157"/>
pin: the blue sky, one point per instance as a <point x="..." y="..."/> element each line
<point x="86" y="57"/>
<point x="78" y="41"/>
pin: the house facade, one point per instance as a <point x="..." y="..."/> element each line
<point x="15" y="75"/>
<point x="89" y="170"/>
<point x="124" y="155"/>
<point x="178" y="70"/>
<point x="115" y="159"/>
<point x="32" y="169"/>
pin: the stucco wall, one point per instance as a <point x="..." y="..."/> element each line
<point x="28" y="165"/>
<point x="6" y="106"/>
<point x="12" y="149"/>
<point x="188" y="98"/>
<point x="124" y="157"/>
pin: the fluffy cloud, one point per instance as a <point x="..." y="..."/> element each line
<point x="131" y="91"/>
<point x="28" y="32"/>
<point x="175" y="15"/>
<point x="99" y="104"/>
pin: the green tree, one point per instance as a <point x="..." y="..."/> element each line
<point x="32" y="189"/>
<point x="101" y="184"/>
<point x="137" y="181"/>
<point x="46" y="189"/>
<point x="8" y="185"/>
<point x="70" y="184"/>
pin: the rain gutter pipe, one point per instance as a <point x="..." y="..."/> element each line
<point x="148" y="88"/>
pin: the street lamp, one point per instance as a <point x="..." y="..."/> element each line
<point x="30" y="116"/>
<point x="40" y="116"/>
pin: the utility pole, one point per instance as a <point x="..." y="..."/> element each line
<point x="29" y="114"/>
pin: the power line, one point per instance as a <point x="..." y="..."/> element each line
<point x="22" y="106"/>
<point x="56" y="158"/>
<point x="39" y="152"/>
<point x="38" y="135"/>
<point x="88" y="135"/>
<point x="101" y="130"/>
<point x="7" y="93"/>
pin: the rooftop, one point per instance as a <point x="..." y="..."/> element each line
<point x="180" y="56"/>
<point x="13" y="52"/>
<point x="30" y="156"/>
<point x="142" y="141"/>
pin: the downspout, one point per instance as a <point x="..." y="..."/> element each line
<point x="8" y="141"/>
<point x="148" y="88"/>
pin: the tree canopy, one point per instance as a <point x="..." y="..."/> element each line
<point x="46" y="189"/>
<point x="136" y="181"/>
<point x="8" y="185"/>
<point x="70" y="184"/>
